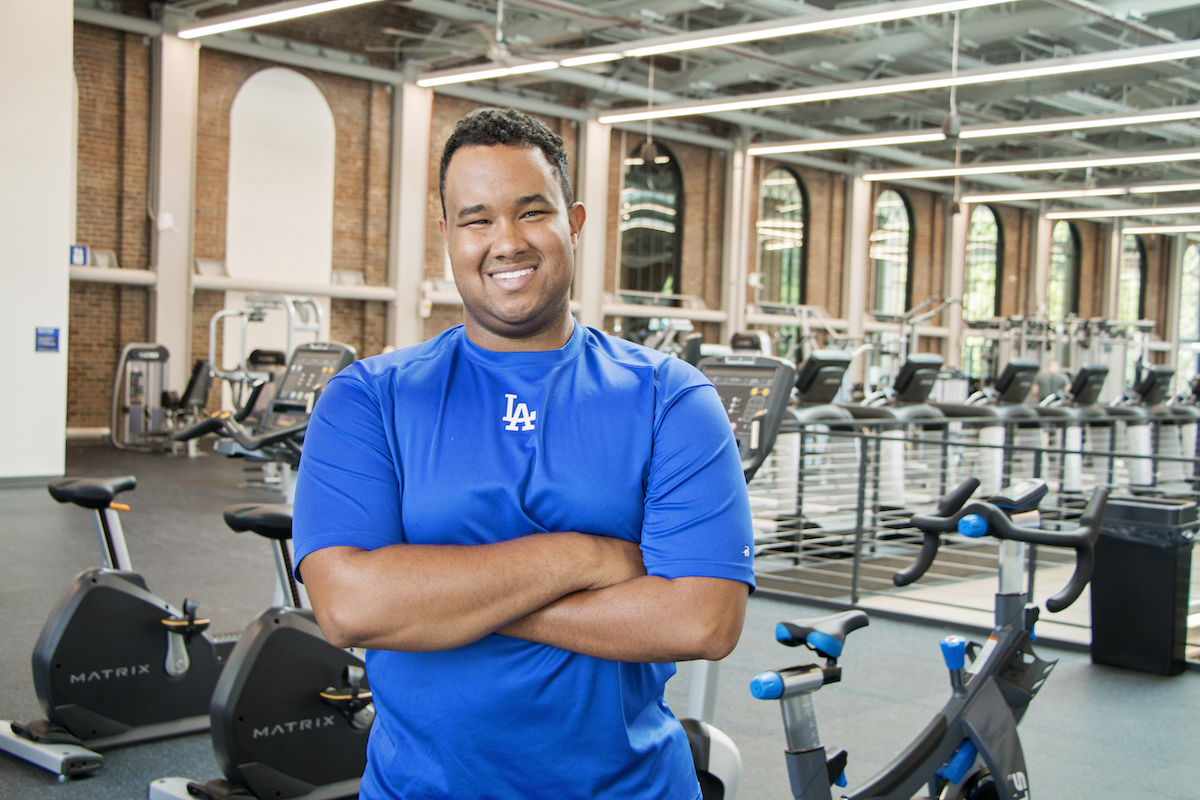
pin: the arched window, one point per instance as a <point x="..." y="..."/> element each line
<point x="1130" y="297"/>
<point x="781" y="222"/>
<point x="651" y="212"/>
<point x="1062" y="286"/>
<point x="890" y="254"/>
<point x="980" y="295"/>
<point x="279" y="218"/>
<point x="981" y="288"/>
<point x="1189" y="317"/>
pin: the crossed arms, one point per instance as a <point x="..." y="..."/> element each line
<point x="587" y="594"/>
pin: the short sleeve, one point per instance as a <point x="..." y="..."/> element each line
<point x="348" y="489"/>
<point x="697" y="512"/>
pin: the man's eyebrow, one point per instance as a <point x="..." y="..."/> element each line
<point x="469" y="210"/>
<point x="530" y="199"/>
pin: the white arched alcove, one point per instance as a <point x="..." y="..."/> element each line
<point x="279" y="219"/>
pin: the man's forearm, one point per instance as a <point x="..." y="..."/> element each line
<point x="438" y="597"/>
<point x="647" y="619"/>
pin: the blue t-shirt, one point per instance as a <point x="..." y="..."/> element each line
<point x="449" y="443"/>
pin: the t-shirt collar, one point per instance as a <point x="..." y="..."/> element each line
<point x="496" y="358"/>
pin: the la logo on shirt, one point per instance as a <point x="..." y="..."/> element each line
<point x="521" y="415"/>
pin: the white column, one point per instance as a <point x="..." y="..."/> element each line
<point x="955" y="281"/>
<point x="412" y="120"/>
<point x="175" y="95"/>
<point x="35" y="198"/>
<point x="1112" y="271"/>
<point x="591" y="188"/>
<point x="739" y="175"/>
<point x="1178" y="243"/>
<point x="856" y="262"/>
<point x="1042" y="231"/>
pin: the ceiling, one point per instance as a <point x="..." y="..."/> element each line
<point x="431" y="35"/>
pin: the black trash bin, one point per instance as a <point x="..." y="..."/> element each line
<point x="1140" y="584"/>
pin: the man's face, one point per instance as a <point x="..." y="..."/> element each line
<point x="511" y="240"/>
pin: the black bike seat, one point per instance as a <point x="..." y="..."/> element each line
<point x="271" y="521"/>
<point x="825" y="635"/>
<point x="90" y="492"/>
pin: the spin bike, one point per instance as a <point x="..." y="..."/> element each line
<point x="115" y="663"/>
<point x="970" y="750"/>
<point x="291" y="712"/>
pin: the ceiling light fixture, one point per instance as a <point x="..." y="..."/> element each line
<point x="873" y="140"/>
<point x="1154" y="54"/>
<point x="983" y="131"/>
<point x="485" y="74"/>
<point x="1051" y="194"/>
<point x="999" y="167"/>
<point x="264" y="15"/>
<point x="1143" y="229"/>
<point x="751" y="32"/>
<point x="1145" y="211"/>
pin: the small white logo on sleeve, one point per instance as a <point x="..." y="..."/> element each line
<point x="746" y="551"/>
<point x="520" y="416"/>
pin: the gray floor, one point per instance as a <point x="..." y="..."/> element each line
<point x="1093" y="732"/>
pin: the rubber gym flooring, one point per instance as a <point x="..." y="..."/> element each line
<point x="1093" y="732"/>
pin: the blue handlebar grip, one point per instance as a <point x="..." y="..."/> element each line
<point x="973" y="525"/>
<point x="841" y="780"/>
<point x="954" y="651"/>
<point x="767" y="686"/>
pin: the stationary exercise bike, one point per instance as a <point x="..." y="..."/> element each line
<point x="291" y="712"/>
<point x="115" y="663"/>
<point x="970" y="750"/>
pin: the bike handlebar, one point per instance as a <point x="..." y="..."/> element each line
<point x="227" y="425"/>
<point x="946" y="518"/>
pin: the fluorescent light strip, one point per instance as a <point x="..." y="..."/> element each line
<point x="889" y="13"/>
<point x="1148" y="118"/>
<point x="1056" y="194"/>
<point x="1054" y="66"/>
<point x="1034" y="166"/>
<point x="1152" y="188"/>
<point x="1104" y="213"/>
<point x="485" y="74"/>
<point x="754" y="32"/>
<point x="264" y="16"/>
<point x="1161" y="229"/>
<point x="841" y="144"/>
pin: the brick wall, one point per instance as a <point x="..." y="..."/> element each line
<point x="112" y="73"/>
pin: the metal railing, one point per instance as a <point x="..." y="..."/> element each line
<point x="831" y="508"/>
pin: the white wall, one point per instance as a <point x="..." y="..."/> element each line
<point x="35" y="161"/>
<point x="279" y="224"/>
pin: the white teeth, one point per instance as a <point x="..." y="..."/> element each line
<point x="508" y="276"/>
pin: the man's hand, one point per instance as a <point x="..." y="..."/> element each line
<point x="616" y="561"/>
<point x="439" y="597"/>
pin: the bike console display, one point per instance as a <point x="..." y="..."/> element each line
<point x="754" y="390"/>
<point x="311" y="368"/>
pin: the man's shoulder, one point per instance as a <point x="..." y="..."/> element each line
<point x="666" y="370"/>
<point x="405" y="359"/>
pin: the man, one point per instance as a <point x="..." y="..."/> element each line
<point x="524" y="520"/>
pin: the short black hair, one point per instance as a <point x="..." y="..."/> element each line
<point x="492" y="126"/>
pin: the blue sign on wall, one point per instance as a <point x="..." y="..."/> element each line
<point x="47" y="340"/>
<point x="79" y="255"/>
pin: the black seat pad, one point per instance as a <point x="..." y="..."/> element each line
<point x="272" y="521"/>
<point x="837" y="625"/>
<point x="90" y="492"/>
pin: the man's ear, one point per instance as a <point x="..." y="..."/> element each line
<point x="442" y="228"/>
<point x="576" y="214"/>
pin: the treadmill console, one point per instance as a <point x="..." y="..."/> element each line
<point x="1087" y="384"/>
<point x="755" y="390"/>
<point x="1014" y="383"/>
<point x="819" y="376"/>
<point x="916" y="377"/>
<point x="1155" y="385"/>
<point x="311" y="367"/>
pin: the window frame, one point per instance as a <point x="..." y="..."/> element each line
<point x="906" y="300"/>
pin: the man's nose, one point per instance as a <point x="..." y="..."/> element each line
<point x="510" y="240"/>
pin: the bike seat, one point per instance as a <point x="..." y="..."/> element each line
<point x="272" y="521"/>
<point x="94" y="493"/>
<point x="825" y="635"/>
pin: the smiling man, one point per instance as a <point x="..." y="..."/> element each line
<point x="524" y="520"/>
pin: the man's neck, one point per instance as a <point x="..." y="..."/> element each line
<point x="551" y="337"/>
